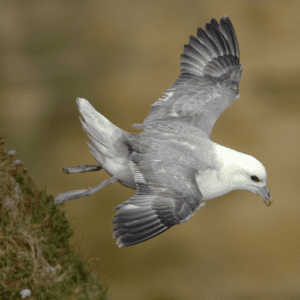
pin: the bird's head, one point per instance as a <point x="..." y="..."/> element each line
<point x="244" y="172"/>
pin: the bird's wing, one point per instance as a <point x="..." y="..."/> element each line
<point x="167" y="194"/>
<point x="209" y="79"/>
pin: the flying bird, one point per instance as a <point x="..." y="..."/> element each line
<point x="173" y="164"/>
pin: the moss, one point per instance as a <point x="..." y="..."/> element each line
<point x="35" y="253"/>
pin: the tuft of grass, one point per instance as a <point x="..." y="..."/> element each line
<point x="35" y="253"/>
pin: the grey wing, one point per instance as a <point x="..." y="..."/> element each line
<point x="209" y="79"/>
<point x="167" y="194"/>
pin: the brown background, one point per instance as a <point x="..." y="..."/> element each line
<point x="121" y="56"/>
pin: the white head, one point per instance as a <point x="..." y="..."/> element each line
<point x="244" y="172"/>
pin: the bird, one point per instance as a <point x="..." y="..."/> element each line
<point x="173" y="164"/>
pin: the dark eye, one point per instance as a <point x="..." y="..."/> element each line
<point x="254" y="178"/>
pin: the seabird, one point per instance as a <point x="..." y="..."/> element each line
<point x="173" y="164"/>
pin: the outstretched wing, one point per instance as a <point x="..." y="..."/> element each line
<point x="209" y="79"/>
<point x="167" y="194"/>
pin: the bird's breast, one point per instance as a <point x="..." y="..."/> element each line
<point x="210" y="185"/>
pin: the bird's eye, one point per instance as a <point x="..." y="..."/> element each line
<point x="255" y="178"/>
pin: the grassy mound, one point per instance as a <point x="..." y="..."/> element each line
<point x="35" y="255"/>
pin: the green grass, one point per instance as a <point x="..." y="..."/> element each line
<point x="35" y="253"/>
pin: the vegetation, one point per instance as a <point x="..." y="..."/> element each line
<point x="35" y="255"/>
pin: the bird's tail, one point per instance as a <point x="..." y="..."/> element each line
<point x="109" y="144"/>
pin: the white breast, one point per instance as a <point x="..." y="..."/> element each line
<point x="210" y="185"/>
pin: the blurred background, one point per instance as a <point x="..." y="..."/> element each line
<point x="121" y="56"/>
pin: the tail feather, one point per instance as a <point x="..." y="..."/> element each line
<point x="108" y="143"/>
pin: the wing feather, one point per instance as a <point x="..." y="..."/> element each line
<point x="167" y="191"/>
<point x="209" y="79"/>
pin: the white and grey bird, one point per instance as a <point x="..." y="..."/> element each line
<point x="173" y="164"/>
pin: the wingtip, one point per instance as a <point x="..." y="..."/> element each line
<point x="120" y="244"/>
<point x="224" y="18"/>
<point x="214" y="52"/>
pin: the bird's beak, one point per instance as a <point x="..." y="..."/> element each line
<point x="265" y="194"/>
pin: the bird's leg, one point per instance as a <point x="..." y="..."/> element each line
<point x="64" y="197"/>
<point x="81" y="169"/>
